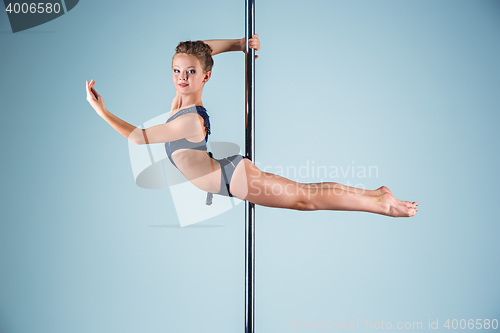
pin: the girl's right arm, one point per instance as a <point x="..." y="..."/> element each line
<point x="183" y="127"/>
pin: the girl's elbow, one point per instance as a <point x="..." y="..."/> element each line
<point x="138" y="137"/>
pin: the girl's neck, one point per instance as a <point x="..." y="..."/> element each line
<point x="192" y="99"/>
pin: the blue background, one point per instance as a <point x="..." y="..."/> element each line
<point x="411" y="87"/>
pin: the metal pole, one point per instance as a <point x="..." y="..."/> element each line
<point x="250" y="153"/>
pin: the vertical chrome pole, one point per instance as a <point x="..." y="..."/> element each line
<point x="250" y="153"/>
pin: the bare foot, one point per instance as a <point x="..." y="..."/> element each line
<point x="382" y="189"/>
<point x="391" y="206"/>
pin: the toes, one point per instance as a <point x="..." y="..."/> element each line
<point x="409" y="204"/>
<point x="413" y="212"/>
<point x="406" y="203"/>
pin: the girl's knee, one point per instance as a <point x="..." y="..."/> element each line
<point x="303" y="200"/>
<point x="304" y="205"/>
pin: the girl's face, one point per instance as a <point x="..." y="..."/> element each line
<point x="187" y="74"/>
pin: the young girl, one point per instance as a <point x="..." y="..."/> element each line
<point x="186" y="132"/>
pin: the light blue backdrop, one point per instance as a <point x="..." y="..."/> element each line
<point x="410" y="88"/>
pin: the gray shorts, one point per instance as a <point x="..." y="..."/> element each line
<point x="228" y="165"/>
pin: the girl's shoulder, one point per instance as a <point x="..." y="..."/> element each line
<point x="181" y="111"/>
<point x="200" y="109"/>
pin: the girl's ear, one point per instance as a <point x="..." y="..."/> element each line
<point x="207" y="76"/>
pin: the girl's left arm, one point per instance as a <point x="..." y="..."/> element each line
<point x="227" y="45"/>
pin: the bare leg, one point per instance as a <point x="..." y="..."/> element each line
<point x="266" y="189"/>
<point x="378" y="192"/>
<point x="339" y="186"/>
<point x="334" y="196"/>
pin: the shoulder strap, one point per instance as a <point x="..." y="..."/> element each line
<point x="182" y="112"/>
<point x="203" y="113"/>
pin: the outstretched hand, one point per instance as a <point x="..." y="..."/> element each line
<point x="95" y="100"/>
<point x="253" y="43"/>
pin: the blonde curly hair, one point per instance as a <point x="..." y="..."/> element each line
<point x="200" y="50"/>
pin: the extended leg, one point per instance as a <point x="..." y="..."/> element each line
<point x="378" y="192"/>
<point x="266" y="189"/>
<point x="357" y="190"/>
<point x="326" y="196"/>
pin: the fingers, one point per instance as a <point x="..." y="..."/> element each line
<point x="89" y="95"/>
<point x="254" y="42"/>
<point x="95" y="93"/>
<point x="91" y="92"/>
